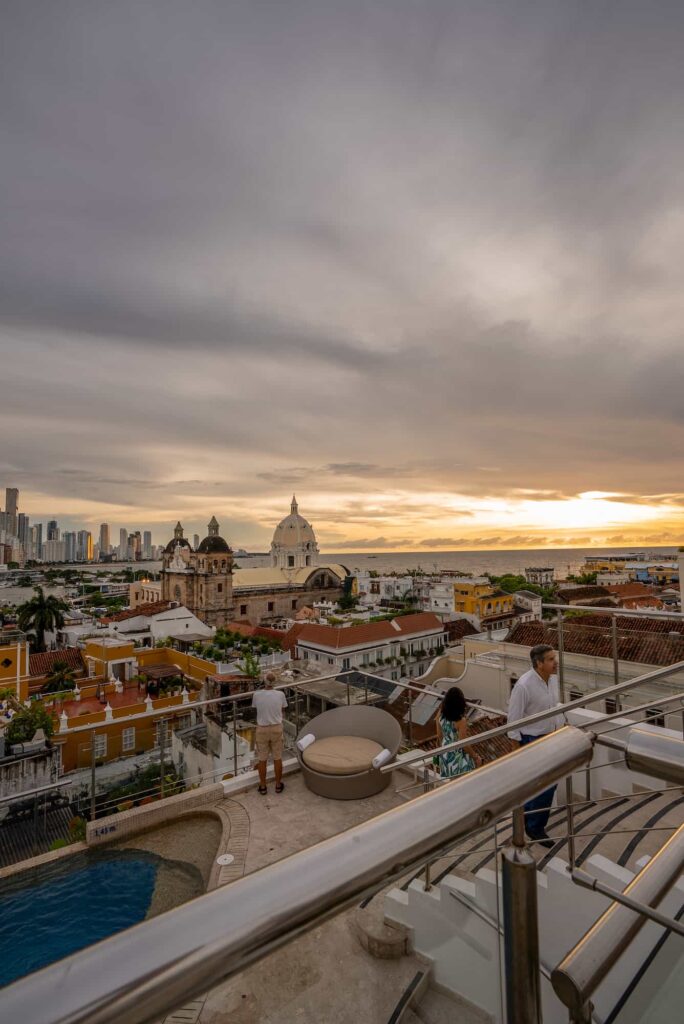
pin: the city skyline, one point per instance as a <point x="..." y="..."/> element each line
<point x="417" y="264"/>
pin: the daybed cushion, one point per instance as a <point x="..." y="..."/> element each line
<point x="341" y="755"/>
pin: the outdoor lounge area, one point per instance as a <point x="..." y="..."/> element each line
<point x="340" y="751"/>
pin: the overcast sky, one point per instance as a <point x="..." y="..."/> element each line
<point x="418" y="261"/>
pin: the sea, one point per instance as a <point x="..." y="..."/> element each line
<point x="562" y="560"/>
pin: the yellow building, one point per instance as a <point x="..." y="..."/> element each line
<point x="14" y="665"/>
<point x="477" y="598"/>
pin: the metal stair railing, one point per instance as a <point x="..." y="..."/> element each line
<point x="139" y="975"/>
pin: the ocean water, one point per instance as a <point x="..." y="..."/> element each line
<point x="562" y="560"/>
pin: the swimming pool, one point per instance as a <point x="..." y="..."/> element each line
<point x="50" y="912"/>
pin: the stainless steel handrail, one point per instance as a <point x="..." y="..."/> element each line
<point x="580" y="973"/>
<point x="153" y="968"/>
<point x="540" y="716"/>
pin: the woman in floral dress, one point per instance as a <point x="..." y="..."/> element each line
<point x="451" y="726"/>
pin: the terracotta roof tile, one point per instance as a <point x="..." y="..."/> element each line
<point x="40" y="664"/>
<point x="153" y="608"/>
<point x="370" y="632"/>
<point x="642" y="640"/>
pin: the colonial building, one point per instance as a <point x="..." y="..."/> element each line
<point x="207" y="582"/>
<point x="202" y="580"/>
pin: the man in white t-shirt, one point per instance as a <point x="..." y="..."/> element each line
<point x="269" y="704"/>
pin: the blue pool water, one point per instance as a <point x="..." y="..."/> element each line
<point x="63" y="908"/>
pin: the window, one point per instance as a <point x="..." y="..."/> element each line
<point x="100" y="745"/>
<point x="157" y="732"/>
<point x="330" y="661"/>
<point x="575" y="694"/>
<point x="611" y="705"/>
<point x="290" y="561"/>
<point x="271" y="606"/>
<point x="294" y="604"/>
<point x="654" y="716"/>
<point x="345" y="665"/>
<point x="128" y="739"/>
<point x="243" y="609"/>
<point x="219" y="587"/>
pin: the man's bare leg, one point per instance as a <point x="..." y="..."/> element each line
<point x="278" y="771"/>
<point x="262" y="766"/>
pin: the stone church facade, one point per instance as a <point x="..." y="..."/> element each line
<point x="209" y="585"/>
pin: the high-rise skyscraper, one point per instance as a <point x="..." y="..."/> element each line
<point x="195" y="541"/>
<point x="11" y="509"/>
<point x="69" y="546"/>
<point x="24" y="531"/>
<point x="104" y="539"/>
<point x="147" y="544"/>
<point x="52" y="530"/>
<point x="37" y="541"/>
<point x="122" y="551"/>
<point x="84" y="546"/>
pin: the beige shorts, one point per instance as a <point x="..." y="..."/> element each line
<point x="269" y="738"/>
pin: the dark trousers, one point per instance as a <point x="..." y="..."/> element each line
<point x="537" y="809"/>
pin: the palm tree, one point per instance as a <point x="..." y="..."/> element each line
<point x="41" y="614"/>
<point x="61" y="678"/>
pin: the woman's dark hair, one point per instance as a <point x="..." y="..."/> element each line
<point x="454" y="705"/>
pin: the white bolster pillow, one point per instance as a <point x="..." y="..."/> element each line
<point x="382" y="758"/>
<point x="306" y="741"/>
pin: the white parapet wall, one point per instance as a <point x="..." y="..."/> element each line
<point x="462" y="944"/>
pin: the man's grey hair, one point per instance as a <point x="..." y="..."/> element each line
<point x="538" y="653"/>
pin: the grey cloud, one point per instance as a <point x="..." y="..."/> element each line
<point x="341" y="238"/>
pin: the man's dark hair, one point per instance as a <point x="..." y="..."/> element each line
<point x="538" y="653"/>
<point x="454" y="705"/>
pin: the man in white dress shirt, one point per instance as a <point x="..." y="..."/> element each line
<point x="537" y="690"/>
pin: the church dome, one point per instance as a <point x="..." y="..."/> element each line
<point x="178" y="538"/>
<point x="213" y="544"/>
<point x="294" y="531"/>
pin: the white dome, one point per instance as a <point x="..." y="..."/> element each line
<point x="294" y="541"/>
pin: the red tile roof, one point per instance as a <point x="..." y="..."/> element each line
<point x="371" y="632"/>
<point x="641" y="640"/>
<point x="566" y="595"/>
<point x="460" y="628"/>
<point x="489" y="750"/>
<point x="629" y="589"/>
<point x="153" y="608"/>
<point x="41" y="664"/>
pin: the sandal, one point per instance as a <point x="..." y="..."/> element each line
<point x="280" y="787"/>
<point x="262" y="790"/>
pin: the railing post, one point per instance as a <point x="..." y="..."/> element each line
<point x="614" y="645"/>
<point x="561" y="658"/>
<point x="235" y="750"/>
<point x="296" y="711"/>
<point x="410" y="717"/>
<point x="162" y="740"/>
<point x="521" y="934"/>
<point x="92" y="775"/>
<point x="571" y="821"/>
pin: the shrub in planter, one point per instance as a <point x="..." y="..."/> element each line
<point x="77" y="829"/>
<point x="126" y="805"/>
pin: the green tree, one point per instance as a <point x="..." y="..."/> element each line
<point x="40" y="614"/>
<point x="250" y="665"/>
<point x="23" y="726"/>
<point x="61" y="678"/>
